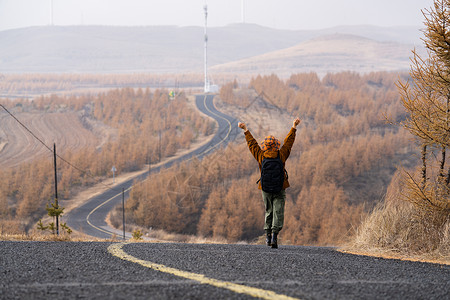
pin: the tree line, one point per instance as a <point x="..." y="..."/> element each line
<point x="149" y="126"/>
<point x="414" y="218"/>
<point x="31" y="84"/>
<point x="339" y="167"/>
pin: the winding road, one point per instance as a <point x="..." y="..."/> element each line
<point x="90" y="217"/>
<point x="105" y="270"/>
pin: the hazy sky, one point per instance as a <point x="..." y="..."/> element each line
<point x="284" y="14"/>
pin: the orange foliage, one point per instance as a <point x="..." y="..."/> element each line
<point x="343" y="150"/>
<point x="234" y="212"/>
<point x="139" y="118"/>
<point x="320" y="215"/>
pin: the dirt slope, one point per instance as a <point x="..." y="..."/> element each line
<point x="18" y="146"/>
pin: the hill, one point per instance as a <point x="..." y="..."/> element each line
<point x="330" y="53"/>
<point x="170" y="49"/>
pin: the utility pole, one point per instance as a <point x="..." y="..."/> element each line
<point x="56" y="188"/>
<point x="123" y="212"/>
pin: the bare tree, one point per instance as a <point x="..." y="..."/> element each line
<point x="427" y="101"/>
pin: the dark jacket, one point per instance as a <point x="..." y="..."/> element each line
<point x="259" y="155"/>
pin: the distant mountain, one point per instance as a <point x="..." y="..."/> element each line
<point x="170" y="49"/>
<point x="331" y="53"/>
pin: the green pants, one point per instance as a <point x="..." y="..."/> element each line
<point x="274" y="215"/>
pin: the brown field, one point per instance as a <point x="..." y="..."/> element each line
<point x="18" y="146"/>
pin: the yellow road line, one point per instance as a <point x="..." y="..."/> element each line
<point x="100" y="205"/>
<point x="116" y="250"/>
<point x="208" y="150"/>
<point x="229" y="124"/>
<point x="103" y="203"/>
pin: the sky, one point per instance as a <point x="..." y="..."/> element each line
<point x="281" y="14"/>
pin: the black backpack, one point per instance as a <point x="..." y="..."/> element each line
<point x="272" y="174"/>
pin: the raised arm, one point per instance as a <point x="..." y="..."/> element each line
<point x="253" y="145"/>
<point x="243" y="126"/>
<point x="285" y="150"/>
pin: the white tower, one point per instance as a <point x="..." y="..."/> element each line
<point x="207" y="87"/>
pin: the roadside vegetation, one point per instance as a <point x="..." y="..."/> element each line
<point x="414" y="219"/>
<point x="36" y="84"/>
<point x="377" y="187"/>
<point x="148" y="127"/>
<point x="340" y="166"/>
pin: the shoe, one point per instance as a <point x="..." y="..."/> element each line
<point x="269" y="239"/>
<point x="274" y="240"/>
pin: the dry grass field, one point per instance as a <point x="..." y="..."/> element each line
<point x="18" y="146"/>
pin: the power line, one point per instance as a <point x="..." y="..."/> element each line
<point x="83" y="172"/>
<point x="14" y="117"/>
<point x="51" y="150"/>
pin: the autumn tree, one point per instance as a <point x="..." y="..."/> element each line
<point x="344" y="157"/>
<point x="129" y="123"/>
<point x="427" y="101"/>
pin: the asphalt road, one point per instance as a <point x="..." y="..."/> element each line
<point x="102" y="270"/>
<point x="90" y="217"/>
